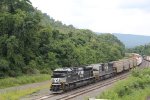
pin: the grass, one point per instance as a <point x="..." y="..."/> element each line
<point x="17" y="94"/>
<point x="9" y="82"/>
<point x="136" y="87"/>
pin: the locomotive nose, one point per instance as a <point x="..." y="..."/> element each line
<point x="56" y="88"/>
<point x="56" y="80"/>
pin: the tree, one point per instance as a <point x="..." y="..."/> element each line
<point x="32" y="42"/>
<point x="12" y="5"/>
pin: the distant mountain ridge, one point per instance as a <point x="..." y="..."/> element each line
<point x="131" y="41"/>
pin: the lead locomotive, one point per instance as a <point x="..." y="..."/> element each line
<point x="64" y="79"/>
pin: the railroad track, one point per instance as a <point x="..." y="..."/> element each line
<point x="44" y="97"/>
<point x="86" y="89"/>
<point x="102" y="84"/>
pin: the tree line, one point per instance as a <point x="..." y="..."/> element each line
<point x="142" y="49"/>
<point x="32" y="42"/>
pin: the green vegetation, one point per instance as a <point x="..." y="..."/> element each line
<point x="32" y="42"/>
<point x="20" y="80"/>
<point x="136" y="87"/>
<point x="17" y="94"/>
<point x="143" y="49"/>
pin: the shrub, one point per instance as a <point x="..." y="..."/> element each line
<point x="131" y="87"/>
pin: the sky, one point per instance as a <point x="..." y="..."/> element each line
<point x="104" y="16"/>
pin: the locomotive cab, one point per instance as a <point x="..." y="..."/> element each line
<point x="58" y="80"/>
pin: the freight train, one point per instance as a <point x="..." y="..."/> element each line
<point x="64" y="79"/>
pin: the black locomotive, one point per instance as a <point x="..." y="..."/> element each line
<point x="64" y="79"/>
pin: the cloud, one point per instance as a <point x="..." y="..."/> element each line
<point x="114" y="16"/>
<point x="135" y="4"/>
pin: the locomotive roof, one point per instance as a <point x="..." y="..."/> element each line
<point x="63" y="69"/>
<point x="73" y="68"/>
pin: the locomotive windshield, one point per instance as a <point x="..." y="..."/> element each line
<point x="59" y="74"/>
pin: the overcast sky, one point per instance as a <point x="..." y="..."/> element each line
<point x="113" y="16"/>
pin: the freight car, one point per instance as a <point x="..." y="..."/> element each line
<point x="138" y="58"/>
<point x="147" y="58"/>
<point x="132" y="62"/>
<point x="64" y="79"/>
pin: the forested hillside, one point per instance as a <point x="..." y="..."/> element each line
<point x="143" y="49"/>
<point x="31" y="42"/>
